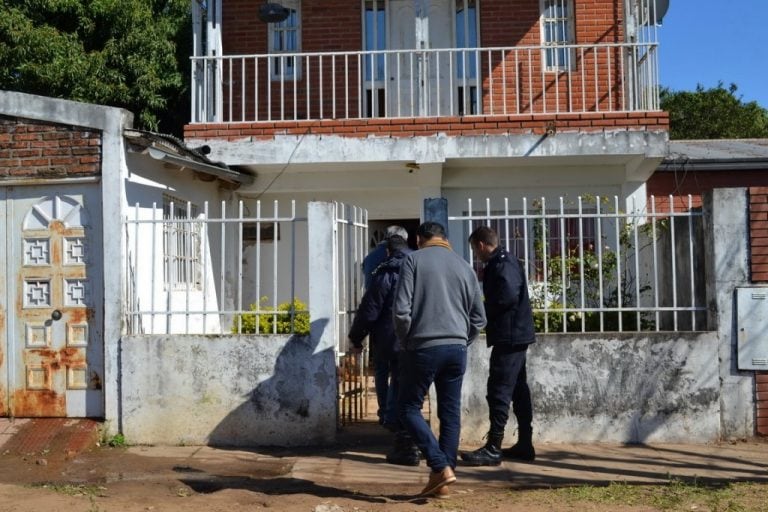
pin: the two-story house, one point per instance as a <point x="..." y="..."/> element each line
<point x="383" y="103"/>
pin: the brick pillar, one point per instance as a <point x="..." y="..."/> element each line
<point x="761" y="402"/>
<point x="758" y="233"/>
<point x="758" y="248"/>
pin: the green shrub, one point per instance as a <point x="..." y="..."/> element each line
<point x="290" y="318"/>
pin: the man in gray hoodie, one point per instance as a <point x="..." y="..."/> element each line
<point x="438" y="311"/>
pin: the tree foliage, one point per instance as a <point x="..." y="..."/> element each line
<point x="132" y="54"/>
<point x="715" y="113"/>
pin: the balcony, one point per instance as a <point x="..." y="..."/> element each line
<point x="435" y="83"/>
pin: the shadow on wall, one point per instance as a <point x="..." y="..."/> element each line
<point x="293" y="403"/>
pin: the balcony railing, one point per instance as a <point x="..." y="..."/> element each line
<point x="426" y="83"/>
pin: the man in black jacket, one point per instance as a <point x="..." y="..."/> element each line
<point x="374" y="319"/>
<point x="509" y="332"/>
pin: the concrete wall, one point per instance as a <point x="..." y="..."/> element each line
<point x="633" y="388"/>
<point x="726" y="245"/>
<point x="279" y="390"/>
<point x="227" y="390"/>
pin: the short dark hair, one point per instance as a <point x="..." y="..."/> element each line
<point x="430" y="229"/>
<point x="486" y="235"/>
<point x="396" y="243"/>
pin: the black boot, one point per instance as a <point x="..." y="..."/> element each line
<point x="488" y="455"/>
<point x="404" y="452"/>
<point x="523" y="449"/>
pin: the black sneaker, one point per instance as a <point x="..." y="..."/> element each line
<point x="488" y="455"/>
<point x="520" y="452"/>
<point x="401" y="457"/>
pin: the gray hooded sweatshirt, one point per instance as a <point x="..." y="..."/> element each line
<point x="437" y="301"/>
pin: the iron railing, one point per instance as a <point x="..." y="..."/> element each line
<point x="593" y="267"/>
<point x="189" y="272"/>
<point x="610" y="77"/>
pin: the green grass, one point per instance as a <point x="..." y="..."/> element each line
<point x="73" y="489"/>
<point x="676" y="495"/>
<point x="117" y="441"/>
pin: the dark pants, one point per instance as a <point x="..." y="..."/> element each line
<point x="386" y="378"/>
<point x="444" y="366"/>
<point x="507" y="382"/>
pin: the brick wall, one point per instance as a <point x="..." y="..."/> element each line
<point x="326" y="26"/>
<point x="31" y="149"/>
<point x="758" y="233"/>
<point x="412" y="127"/>
<point x="505" y="23"/>
<point x="681" y="183"/>
<point x="761" y="384"/>
<point x="515" y="82"/>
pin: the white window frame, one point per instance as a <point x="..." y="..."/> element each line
<point x="470" y="105"/>
<point x="293" y="72"/>
<point x="374" y="95"/>
<point x="553" y="46"/>
<point x="182" y="247"/>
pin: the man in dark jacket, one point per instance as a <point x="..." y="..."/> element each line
<point x="374" y="319"/>
<point x="509" y="332"/>
<point x="379" y="253"/>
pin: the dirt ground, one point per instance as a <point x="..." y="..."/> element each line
<point x="119" y="479"/>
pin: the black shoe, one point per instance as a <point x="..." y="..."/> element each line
<point x="488" y="455"/>
<point x="520" y="451"/>
<point x="403" y="457"/>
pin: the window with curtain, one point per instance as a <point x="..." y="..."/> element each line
<point x="557" y="34"/>
<point x="285" y="38"/>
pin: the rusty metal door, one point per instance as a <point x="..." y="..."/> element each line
<point x="55" y="343"/>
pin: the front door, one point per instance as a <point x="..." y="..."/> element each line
<point x="419" y="82"/>
<point x="54" y="357"/>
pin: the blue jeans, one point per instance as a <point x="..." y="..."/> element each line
<point x="385" y="380"/>
<point x="444" y="366"/>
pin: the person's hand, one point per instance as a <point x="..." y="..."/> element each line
<point x="355" y="350"/>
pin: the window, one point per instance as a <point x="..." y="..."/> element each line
<point x="557" y="34"/>
<point x="541" y="238"/>
<point x="466" y="61"/>
<point x="181" y="244"/>
<point x="375" y="39"/>
<point x="285" y="38"/>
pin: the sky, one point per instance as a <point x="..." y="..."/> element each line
<point x="707" y="41"/>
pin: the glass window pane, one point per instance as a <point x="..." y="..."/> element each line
<point x="291" y="45"/>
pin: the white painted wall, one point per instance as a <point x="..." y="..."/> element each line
<point x="148" y="181"/>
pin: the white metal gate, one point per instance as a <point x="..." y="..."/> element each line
<point x="350" y="248"/>
<point x="51" y="274"/>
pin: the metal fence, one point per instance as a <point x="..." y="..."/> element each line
<point x="351" y="247"/>
<point x="593" y="267"/>
<point x="199" y="271"/>
<point x="608" y="77"/>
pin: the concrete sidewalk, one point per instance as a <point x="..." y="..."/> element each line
<point x="356" y="463"/>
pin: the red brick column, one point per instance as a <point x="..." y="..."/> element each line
<point x="761" y="402"/>
<point x="758" y="233"/>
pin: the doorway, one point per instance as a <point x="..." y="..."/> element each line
<point x="50" y="275"/>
